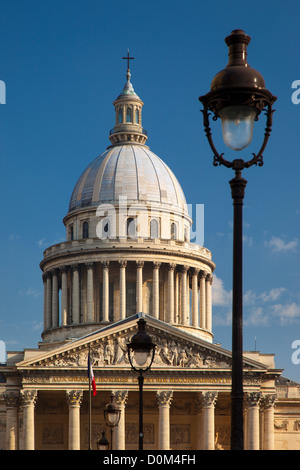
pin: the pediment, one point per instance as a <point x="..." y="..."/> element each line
<point x="175" y="349"/>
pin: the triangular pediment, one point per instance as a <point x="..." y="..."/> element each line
<point x="175" y="349"/>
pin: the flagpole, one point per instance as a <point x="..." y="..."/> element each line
<point x="90" y="401"/>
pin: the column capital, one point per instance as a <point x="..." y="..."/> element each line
<point x="184" y="268"/>
<point x="209" y="278"/>
<point x="105" y="264"/>
<point x="74" y="397"/>
<point x="121" y="397"/>
<point x="253" y="398"/>
<point x="89" y="265"/>
<point x="164" y="397"/>
<point x="171" y="266"/>
<point x="195" y="271"/>
<point x="156" y="264"/>
<point x="28" y="397"/>
<point x="268" y="401"/>
<point x="122" y="263"/>
<point x="139" y="264"/>
<point x="75" y="267"/>
<point x="54" y="272"/>
<point x="209" y="398"/>
<point x="64" y="269"/>
<point x="12" y="399"/>
<point x="202" y="274"/>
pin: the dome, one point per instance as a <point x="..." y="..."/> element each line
<point x="130" y="171"/>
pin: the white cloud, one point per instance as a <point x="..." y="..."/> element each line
<point x="31" y="292"/>
<point x="220" y="296"/>
<point x="273" y="294"/>
<point x="287" y="313"/>
<point x="257" y="317"/>
<point x="279" y="245"/>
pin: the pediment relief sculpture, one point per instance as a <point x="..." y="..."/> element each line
<point x="112" y="352"/>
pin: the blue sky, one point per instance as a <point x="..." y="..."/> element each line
<point x="62" y="65"/>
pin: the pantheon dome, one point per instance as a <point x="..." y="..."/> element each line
<point x="127" y="247"/>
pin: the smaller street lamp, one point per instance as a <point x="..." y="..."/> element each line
<point x="112" y="416"/>
<point x="102" y="443"/>
<point x="141" y="351"/>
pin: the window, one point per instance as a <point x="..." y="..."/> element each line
<point x="137" y="116"/>
<point x="153" y="228"/>
<point x="85" y="230"/>
<point x="71" y="232"/>
<point x="131" y="229"/>
<point x="128" y="115"/>
<point x="173" y="231"/>
<point x="186" y="234"/>
<point x="120" y="116"/>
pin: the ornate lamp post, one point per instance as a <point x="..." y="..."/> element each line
<point x="112" y="416"/>
<point x="237" y="96"/>
<point x="141" y="351"/>
<point x="102" y="443"/>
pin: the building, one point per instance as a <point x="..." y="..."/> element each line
<point x="128" y="255"/>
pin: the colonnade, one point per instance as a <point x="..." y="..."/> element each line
<point x="180" y="294"/>
<point x="259" y="419"/>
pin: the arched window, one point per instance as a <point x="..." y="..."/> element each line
<point x="153" y="228"/>
<point x="85" y="230"/>
<point x="128" y="115"/>
<point x="120" y="115"/>
<point x="173" y="231"/>
<point x="131" y="228"/>
<point x="71" y="232"/>
<point x="137" y="116"/>
<point x="186" y="234"/>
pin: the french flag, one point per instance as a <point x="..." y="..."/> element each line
<point x="91" y="376"/>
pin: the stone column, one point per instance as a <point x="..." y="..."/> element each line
<point x="156" y="266"/>
<point x="75" y="295"/>
<point x="123" y="264"/>
<point x="64" y="296"/>
<point x="29" y="398"/>
<point x="74" y="399"/>
<point x="208" y="284"/>
<point x="195" y="298"/>
<point x="12" y="407"/>
<point x="105" y="291"/>
<point x="183" y="295"/>
<point x="202" y="300"/>
<point x="269" y="403"/>
<point x="48" y="322"/>
<point x="176" y="303"/>
<point x="171" y="295"/>
<point x="164" y="400"/>
<point x="139" y="286"/>
<point x="253" y="400"/>
<point x="209" y="401"/>
<point x="89" y="292"/>
<point x="120" y="399"/>
<point x="55" y="302"/>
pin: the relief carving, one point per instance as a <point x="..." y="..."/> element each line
<point x="112" y="351"/>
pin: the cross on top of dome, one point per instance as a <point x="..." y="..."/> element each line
<point x="128" y="58"/>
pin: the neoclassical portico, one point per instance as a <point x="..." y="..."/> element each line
<point x="186" y="394"/>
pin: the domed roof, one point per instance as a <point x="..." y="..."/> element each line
<point x="131" y="171"/>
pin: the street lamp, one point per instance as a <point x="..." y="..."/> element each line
<point x="141" y="351"/>
<point x="112" y="416"/>
<point x="102" y="443"/>
<point x="237" y="96"/>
